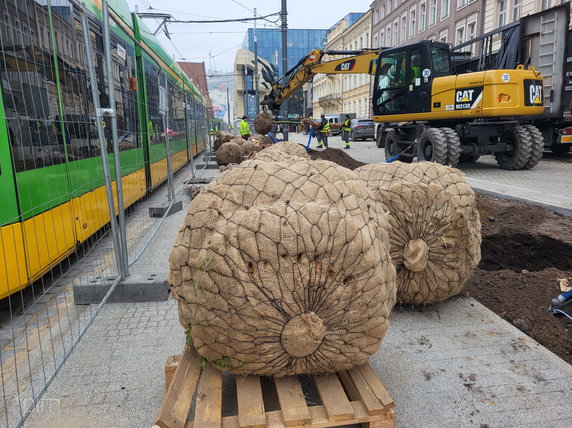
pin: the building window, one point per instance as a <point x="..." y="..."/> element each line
<point x="412" y="22"/>
<point x="382" y="14"/>
<point x="461" y="4"/>
<point x="546" y="4"/>
<point x="443" y="36"/>
<point x="444" y="9"/>
<point x="395" y="32"/>
<point x="516" y="10"/>
<point x="375" y="40"/>
<point x="381" y="39"/>
<point x="421" y="17"/>
<point x="376" y="16"/>
<point x="471" y="32"/>
<point x="388" y="36"/>
<point x="403" y="28"/>
<point x="395" y="4"/>
<point x="433" y="13"/>
<point x="501" y="12"/>
<point x="460" y="33"/>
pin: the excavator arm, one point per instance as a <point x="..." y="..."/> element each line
<point x="357" y="62"/>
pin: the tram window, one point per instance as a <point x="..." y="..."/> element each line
<point x="125" y="98"/>
<point x="78" y="122"/>
<point x="177" y="112"/>
<point x="154" y="126"/>
<point x="29" y="89"/>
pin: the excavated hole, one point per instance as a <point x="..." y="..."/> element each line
<point x="524" y="251"/>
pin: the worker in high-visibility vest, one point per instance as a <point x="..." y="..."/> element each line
<point x="323" y="132"/>
<point x="347" y="128"/>
<point x="244" y="128"/>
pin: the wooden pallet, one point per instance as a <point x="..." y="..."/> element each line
<point x="356" y="396"/>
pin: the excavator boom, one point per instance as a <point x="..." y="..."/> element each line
<point x="357" y="62"/>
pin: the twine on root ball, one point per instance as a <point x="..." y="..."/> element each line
<point x="283" y="268"/>
<point x="434" y="227"/>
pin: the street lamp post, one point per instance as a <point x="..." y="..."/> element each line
<point x="228" y="106"/>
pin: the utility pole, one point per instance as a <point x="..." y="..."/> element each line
<point x="256" y="99"/>
<point x="283" y="14"/>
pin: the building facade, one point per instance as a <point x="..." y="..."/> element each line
<point x="400" y="22"/>
<point x="244" y="87"/>
<point x="356" y="95"/>
<point x="269" y="48"/>
<point x="336" y="93"/>
<point x="198" y="74"/>
<point x="502" y="12"/>
<point x="300" y="43"/>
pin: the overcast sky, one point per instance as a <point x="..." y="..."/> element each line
<point x="195" y="42"/>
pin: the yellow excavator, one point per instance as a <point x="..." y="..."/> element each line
<point x="427" y="111"/>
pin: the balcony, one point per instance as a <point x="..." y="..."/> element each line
<point x="330" y="99"/>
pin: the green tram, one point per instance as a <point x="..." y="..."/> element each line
<point x="52" y="193"/>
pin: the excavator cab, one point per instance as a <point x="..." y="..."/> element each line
<point x="404" y="75"/>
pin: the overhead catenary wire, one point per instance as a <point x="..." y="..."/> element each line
<point x="170" y="20"/>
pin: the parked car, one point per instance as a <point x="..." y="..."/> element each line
<point x="362" y="129"/>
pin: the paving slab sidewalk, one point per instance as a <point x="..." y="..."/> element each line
<point x="455" y="364"/>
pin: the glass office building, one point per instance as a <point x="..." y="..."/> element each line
<point x="300" y="43"/>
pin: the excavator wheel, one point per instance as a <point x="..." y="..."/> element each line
<point x="453" y="146"/>
<point x="392" y="148"/>
<point x="537" y="148"/>
<point x="432" y="146"/>
<point x="520" y="138"/>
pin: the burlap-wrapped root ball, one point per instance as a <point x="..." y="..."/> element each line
<point x="263" y="123"/>
<point x="283" y="268"/>
<point x="229" y="153"/>
<point x="274" y="156"/>
<point x="265" y="140"/>
<point x="249" y="149"/>
<point x="434" y="227"/>
<point x="221" y="138"/>
<point x="238" y="140"/>
<point x="256" y="142"/>
<point x="306" y="123"/>
<point x="289" y="148"/>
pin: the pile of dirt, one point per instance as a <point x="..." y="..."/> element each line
<point x="337" y="156"/>
<point x="525" y="249"/>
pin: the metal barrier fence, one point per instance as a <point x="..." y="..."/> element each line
<point x="65" y="131"/>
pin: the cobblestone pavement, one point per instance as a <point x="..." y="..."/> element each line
<point x="548" y="183"/>
<point x="455" y="365"/>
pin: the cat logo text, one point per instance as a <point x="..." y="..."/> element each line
<point x="532" y="92"/>
<point x="468" y="98"/>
